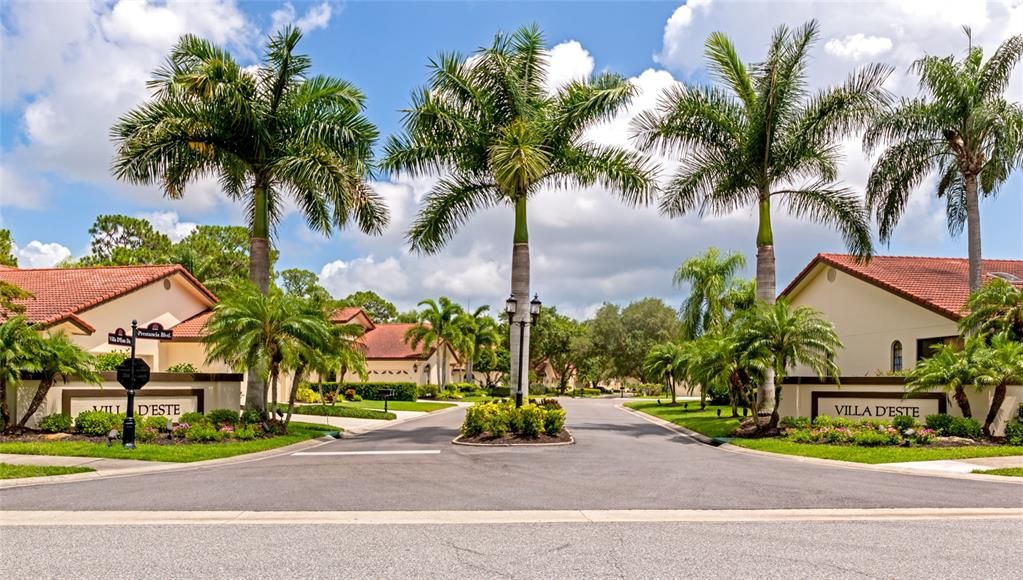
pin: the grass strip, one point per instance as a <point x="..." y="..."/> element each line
<point x="11" y="471"/>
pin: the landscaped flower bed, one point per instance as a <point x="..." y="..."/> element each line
<point x="500" y="423"/>
<point x="938" y="431"/>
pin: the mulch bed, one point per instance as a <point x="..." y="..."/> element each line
<point x="513" y="439"/>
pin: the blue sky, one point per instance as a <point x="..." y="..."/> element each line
<point x="69" y="69"/>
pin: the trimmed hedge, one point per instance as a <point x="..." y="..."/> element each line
<point x="402" y="391"/>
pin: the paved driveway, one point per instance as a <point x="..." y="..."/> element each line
<point x="621" y="461"/>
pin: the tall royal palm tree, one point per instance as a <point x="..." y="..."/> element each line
<point x="961" y="127"/>
<point x="57" y="357"/>
<point x="267" y="134"/>
<point x="490" y="126"/>
<point x="777" y="337"/>
<point x="712" y="280"/>
<point x="259" y="332"/>
<point x="17" y="342"/>
<point x="760" y="139"/>
<point x="438" y="328"/>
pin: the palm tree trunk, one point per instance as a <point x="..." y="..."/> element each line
<point x="674" y="394"/>
<point x="996" y="406"/>
<point x="259" y="274"/>
<point x="973" y="231"/>
<point x="275" y="372"/>
<point x="5" y="411"/>
<point x="37" y="401"/>
<point x="963" y="401"/>
<point x="765" y="292"/>
<point x="299" y="370"/>
<point x="519" y="339"/>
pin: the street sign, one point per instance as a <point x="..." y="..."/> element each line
<point x="124" y="374"/>
<point x="119" y="337"/>
<point x="155" y="331"/>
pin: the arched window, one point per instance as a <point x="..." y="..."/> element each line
<point x="896" y="356"/>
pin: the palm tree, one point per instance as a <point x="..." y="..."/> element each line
<point x="267" y="134"/>
<point x="963" y="128"/>
<point x="346" y="354"/>
<point x="479" y="336"/>
<point x="56" y="357"/>
<point x="997" y="308"/>
<point x="489" y="125"/>
<point x="949" y="368"/>
<point x="759" y="137"/>
<point x="718" y="359"/>
<point x="776" y="337"/>
<point x="712" y="281"/>
<point x="667" y="361"/>
<point x="437" y="329"/>
<point x="255" y="332"/>
<point x="1002" y="365"/>
<point x="17" y="341"/>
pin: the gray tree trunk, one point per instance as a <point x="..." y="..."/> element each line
<point x="766" y="292"/>
<point x="973" y="231"/>
<point x="520" y="289"/>
<point x="259" y="274"/>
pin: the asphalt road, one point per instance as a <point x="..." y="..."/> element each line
<point x="919" y="549"/>
<point x="621" y="461"/>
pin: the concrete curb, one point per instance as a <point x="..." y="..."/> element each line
<point x="571" y="441"/>
<point x="728" y="447"/>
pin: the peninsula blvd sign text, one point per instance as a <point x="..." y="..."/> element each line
<point x="877" y="405"/>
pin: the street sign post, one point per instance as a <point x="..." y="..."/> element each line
<point x="133" y="373"/>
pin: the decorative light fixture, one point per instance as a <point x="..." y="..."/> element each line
<point x="511" y="306"/>
<point x="534" y="308"/>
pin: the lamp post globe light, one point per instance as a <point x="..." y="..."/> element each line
<point x="511" y="308"/>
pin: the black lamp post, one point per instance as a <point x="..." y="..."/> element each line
<point x="511" y="308"/>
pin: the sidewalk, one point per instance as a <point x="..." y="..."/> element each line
<point x="961" y="465"/>
<point x="355" y="426"/>
<point x="101" y="465"/>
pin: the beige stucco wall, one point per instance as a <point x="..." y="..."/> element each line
<point x="797" y="400"/>
<point x="868" y="320"/>
<point x="217" y="394"/>
<point x="175" y="352"/>
<point x="151" y="303"/>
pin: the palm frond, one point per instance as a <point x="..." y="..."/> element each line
<point x="447" y="207"/>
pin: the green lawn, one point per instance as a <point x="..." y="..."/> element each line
<point x="875" y="454"/>
<point x="706" y="421"/>
<point x="9" y="471"/>
<point x="1010" y="471"/>
<point x="176" y="453"/>
<point x="399" y="405"/>
<point x="339" y="410"/>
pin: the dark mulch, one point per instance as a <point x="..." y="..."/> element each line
<point x="563" y="437"/>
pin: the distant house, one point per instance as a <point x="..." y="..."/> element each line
<point x="390" y="358"/>
<point x="889" y="313"/>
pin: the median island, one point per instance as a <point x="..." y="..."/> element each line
<point x="500" y="423"/>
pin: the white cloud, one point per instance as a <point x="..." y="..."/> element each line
<point x="37" y="254"/>
<point x="677" y="28"/>
<point x="569" y="61"/>
<point x="19" y="190"/>
<point x="386" y="277"/>
<point x="858" y="46"/>
<point x="170" y="224"/>
<point x="317" y="16"/>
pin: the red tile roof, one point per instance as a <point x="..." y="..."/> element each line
<point x="938" y="284"/>
<point x="62" y="293"/>
<point x="347" y="314"/>
<point x="388" y="341"/>
<point x="192" y="328"/>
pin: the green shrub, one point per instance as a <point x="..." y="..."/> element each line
<point x="108" y="361"/>
<point x="180" y="430"/>
<point x="98" y="423"/>
<point x="924" y="436"/>
<point x="546" y="403"/>
<point x="252" y="417"/>
<point x="963" y="427"/>
<point x="220" y="417"/>
<point x="452" y="395"/>
<point x="871" y="438"/>
<point x="472" y="426"/>
<point x="553" y="421"/>
<point x="403" y="391"/>
<point x="203" y="433"/>
<point x="718" y="394"/>
<point x="500" y="392"/>
<point x="903" y="422"/>
<point x="244" y="433"/>
<point x="938" y="422"/>
<point x="182" y="367"/>
<point x="55" y="423"/>
<point x="156" y="422"/>
<point x="498" y="422"/>
<point x="428" y="391"/>
<point x="146" y="435"/>
<point x="530" y="420"/>
<point x="307" y="395"/>
<point x="1014" y="433"/>
<point x="193" y="418"/>
<point x="795" y="422"/>
<point x="822" y="421"/>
